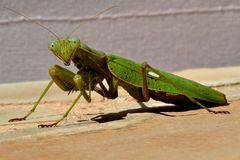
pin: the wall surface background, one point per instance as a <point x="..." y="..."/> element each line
<point x="169" y="34"/>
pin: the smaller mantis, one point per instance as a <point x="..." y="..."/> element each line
<point x="141" y="81"/>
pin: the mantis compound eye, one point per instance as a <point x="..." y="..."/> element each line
<point x="51" y="46"/>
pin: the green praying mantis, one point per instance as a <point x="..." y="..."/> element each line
<point x="141" y="81"/>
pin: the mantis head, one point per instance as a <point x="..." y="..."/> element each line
<point x="64" y="49"/>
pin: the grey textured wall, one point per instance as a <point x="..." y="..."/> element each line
<point x="170" y="34"/>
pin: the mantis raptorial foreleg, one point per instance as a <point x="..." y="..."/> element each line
<point x="62" y="77"/>
<point x="69" y="81"/>
<point x="83" y="80"/>
<point x="146" y="91"/>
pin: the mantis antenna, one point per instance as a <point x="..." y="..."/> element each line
<point x="29" y="19"/>
<point x="105" y="10"/>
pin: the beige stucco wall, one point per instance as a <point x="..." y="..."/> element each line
<point x="170" y="34"/>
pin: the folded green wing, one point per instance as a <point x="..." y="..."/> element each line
<point x="130" y="72"/>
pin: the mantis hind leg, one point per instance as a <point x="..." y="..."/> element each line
<point x="146" y="92"/>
